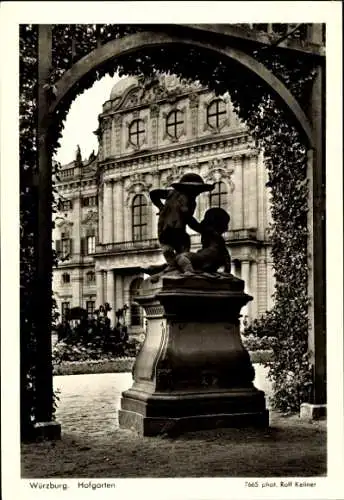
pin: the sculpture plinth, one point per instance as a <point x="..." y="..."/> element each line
<point x="192" y="371"/>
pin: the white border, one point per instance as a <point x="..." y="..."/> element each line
<point x="13" y="13"/>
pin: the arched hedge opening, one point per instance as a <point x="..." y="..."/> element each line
<point x="285" y="153"/>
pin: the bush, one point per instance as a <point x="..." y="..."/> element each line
<point x="93" y="340"/>
<point x="118" y="365"/>
<point x="253" y="343"/>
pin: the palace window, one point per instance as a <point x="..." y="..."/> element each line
<point x="68" y="172"/>
<point x="64" y="246"/>
<point x="66" y="205"/>
<point x="64" y="310"/>
<point x="139" y="217"/>
<point x="65" y="278"/>
<point x="91" y="277"/>
<point x="91" y="244"/>
<point x="216" y="113"/>
<point x="90" y="307"/>
<point x="89" y="201"/>
<point x="136" y="312"/>
<point x="218" y="197"/>
<point x="137" y="132"/>
<point x="174" y="124"/>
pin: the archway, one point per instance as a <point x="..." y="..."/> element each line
<point x="126" y="46"/>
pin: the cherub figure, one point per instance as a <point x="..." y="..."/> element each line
<point x="177" y="213"/>
<point x="214" y="253"/>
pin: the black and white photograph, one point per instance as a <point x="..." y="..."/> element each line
<point x="172" y="250"/>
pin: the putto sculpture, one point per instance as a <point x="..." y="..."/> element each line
<point x="214" y="253"/>
<point x="177" y="213"/>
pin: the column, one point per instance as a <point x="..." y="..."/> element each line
<point x="239" y="197"/>
<point x="246" y="191"/>
<point x="245" y="275"/>
<point x="118" y="211"/>
<point x="153" y="208"/>
<point x="261" y="197"/>
<point x="76" y="277"/>
<point x="252" y="181"/>
<point x="108" y="211"/>
<point x="119" y="291"/>
<point x="100" y="214"/>
<point x="270" y="281"/>
<point x="253" y="305"/>
<point x="110" y="294"/>
<point x="262" y="284"/>
<point x="76" y="228"/>
<point x="100" y="289"/>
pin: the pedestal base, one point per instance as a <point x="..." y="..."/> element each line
<point x="193" y="371"/>
<point x="155" y="426"/>
<point x="176" y="412"/>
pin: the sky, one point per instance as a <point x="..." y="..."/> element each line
<point x="82" y="121"/>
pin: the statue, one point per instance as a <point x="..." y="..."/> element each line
<point x="177" y="213"/>
<point x="213" y="253"/>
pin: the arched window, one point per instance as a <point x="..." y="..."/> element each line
<point x="218" y="197"/>
<point x="174" y="124"/>
<point x="139" y="217"/>
<point x="137" y="132"/>
<point x="65" y="278"/>
<point x="136" y="312"/>
<point x="216" y="113"/>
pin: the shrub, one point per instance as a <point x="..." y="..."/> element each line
<point x="93" y="340"/>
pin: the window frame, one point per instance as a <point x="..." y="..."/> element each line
<point x="64" y="309"/>
<point x="90" y="313"/>
<point x="64" y="281"/>
<point x="175" y="113"/>
<point x="93" y="245"/>
<point x="218" y="123"/>
<point x="222" y="196"/>
<point x="138" y="133"/>
<point x="141" y="227"/>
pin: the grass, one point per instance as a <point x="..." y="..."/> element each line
<point x="290" y="447"/>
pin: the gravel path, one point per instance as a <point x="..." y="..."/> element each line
<point x="93" y="446"/>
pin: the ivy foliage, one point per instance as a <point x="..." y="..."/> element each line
<point x="285" y="159"/>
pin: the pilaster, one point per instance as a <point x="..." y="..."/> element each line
<point x="100" y="288"/>
<point x="110" y="294"/>
<point x="108" y="211"/>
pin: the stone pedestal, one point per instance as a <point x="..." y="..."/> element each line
<point x="192" y="371"/>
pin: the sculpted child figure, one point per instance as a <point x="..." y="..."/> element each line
<point x="177" y="213"/>
<point x="213" y="253"/>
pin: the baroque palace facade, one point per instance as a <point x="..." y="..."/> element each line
<point x="150" y="133"/>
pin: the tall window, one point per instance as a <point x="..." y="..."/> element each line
<point x="66" y="205"/>
<point x="139" y="217"/>
<point x="216" y="113"/>
<point x="89" y="201"/>
<point x="65" y="278"/>
<point x="64" y="310"/>
<point x="218" y="197"/>
<point x="90" y="306"/>
<point x="136" y="312"/>
<point x="174" y="123"/>
<point x="91" y="244"/>
<point x="91" y="277"/>
<point x="137" y="132"/>
<point x="66" y="246"/>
